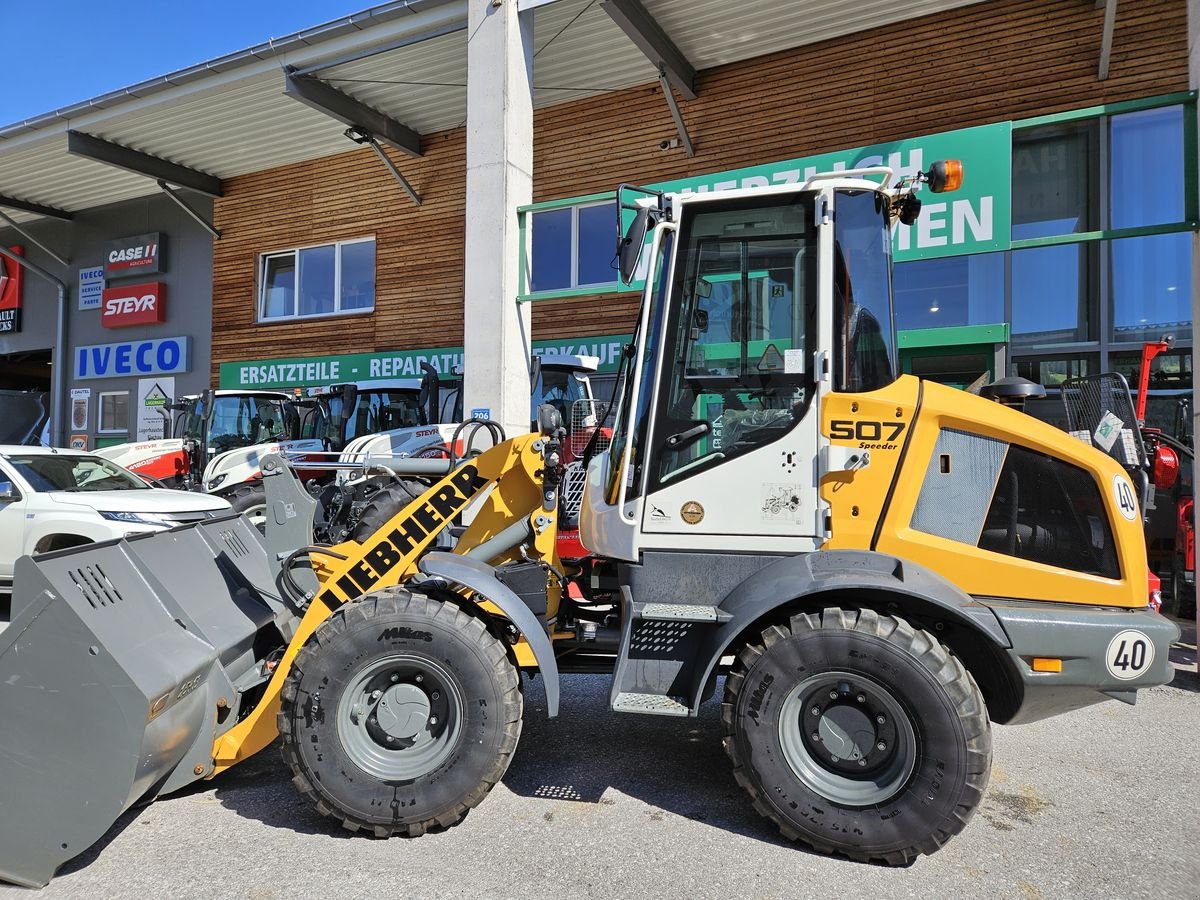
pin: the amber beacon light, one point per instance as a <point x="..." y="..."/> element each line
<point x="945" y="175"/>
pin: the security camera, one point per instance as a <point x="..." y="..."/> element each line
<point x="668" y="144"/>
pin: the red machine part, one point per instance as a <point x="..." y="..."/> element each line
<point x="1153" y="590"/>
<point x="1166" y="467"/>
<point x="1185" y="533"/>
<point x="164" y="467"/>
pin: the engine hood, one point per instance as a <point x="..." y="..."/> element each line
<point x="151" y="500"/>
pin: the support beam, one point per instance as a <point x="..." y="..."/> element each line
<point x="676" y="114"/>
<point x="499" y="181"/>
<point x="361" y="137"/>
<point x="36" y="208"/>
<point x="4" y="217"/>
<point x="329" y="100"/>
<point x="1110" y="19"/>
<point x="189" y="209"/>
<point x="97" y="149"/>
<point x="649" y="37"/>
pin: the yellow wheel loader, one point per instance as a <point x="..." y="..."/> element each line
<point x="879" y="568"/>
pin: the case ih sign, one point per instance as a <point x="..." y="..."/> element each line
<point x="140" y="254"/>
<point x="134" y="304"/>
<point x="10" y="292"/>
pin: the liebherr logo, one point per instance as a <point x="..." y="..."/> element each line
<point x="409" y="538"/>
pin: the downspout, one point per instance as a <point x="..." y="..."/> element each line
<point x="58" y="383"/>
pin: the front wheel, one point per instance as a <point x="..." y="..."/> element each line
<point x="251" y="501"/>
<point x="400" y="714"/>
<point x="857" y="734"/>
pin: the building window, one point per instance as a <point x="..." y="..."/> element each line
<point x="114" y="412"/>
<point x="573" y="247"/>
<point x="1050" y="295"/>
<point x="328" y="280"/>
<point x="1052" y="183"/>
<point x="1146" y="174"/>
<point x="951" y="291"/>
<point x="1151" y="287"/>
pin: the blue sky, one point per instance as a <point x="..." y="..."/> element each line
<point x="58" y="52"/>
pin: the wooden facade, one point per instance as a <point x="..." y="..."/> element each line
<point x="991" y="62"/>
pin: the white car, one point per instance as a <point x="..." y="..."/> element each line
<point x="51" y="499"/>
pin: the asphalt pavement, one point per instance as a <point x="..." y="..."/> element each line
<point x="1101" y="802"/>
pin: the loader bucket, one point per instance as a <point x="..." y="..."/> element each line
<point x="116" y="673"/>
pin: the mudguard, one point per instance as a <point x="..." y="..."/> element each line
<point x="796" y="577"/>
<point x="481" y="578"/>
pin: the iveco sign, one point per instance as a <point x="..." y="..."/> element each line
<point x="164" y="356"/>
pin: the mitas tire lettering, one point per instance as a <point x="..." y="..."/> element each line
<point x="941" y="704"/>
<point x="355" y="639"/>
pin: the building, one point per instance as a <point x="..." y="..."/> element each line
<point x="343" y="252"/>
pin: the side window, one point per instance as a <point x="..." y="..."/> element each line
<point x="739" y="366"/>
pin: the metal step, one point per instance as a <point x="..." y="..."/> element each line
<point x="650" y="704"/>
<point x="679" y="612"/>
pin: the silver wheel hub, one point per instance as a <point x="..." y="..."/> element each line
<point x="403" y="711"/>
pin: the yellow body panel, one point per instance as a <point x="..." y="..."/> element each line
<point x="974" y="570"/>
<point x="513" y="467"/>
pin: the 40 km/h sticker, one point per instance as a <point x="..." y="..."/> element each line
<point x="1130" y="654"/>
<point x="1123" y="494"/>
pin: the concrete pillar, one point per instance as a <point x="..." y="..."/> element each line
<point x="499" y="179"/>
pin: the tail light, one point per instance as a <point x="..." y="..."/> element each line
<point x="1166" y="467"/>
<point x="1154" y="591"/>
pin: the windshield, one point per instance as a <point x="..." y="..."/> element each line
<point x="189" y="424"/>
<point x="863" y="355"/>
<point x="378" y="410"/>
<point x="560" y="388"/>
<point x="245" y="421"/>
<point x="74" y="473"/>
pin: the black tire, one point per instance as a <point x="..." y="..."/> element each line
<point x="250" y="500"/>
<point x="1183" y="595"/>
<point x="384" y="505"/>
<point x="905" y="805"/>
<point x="391" y="631"/>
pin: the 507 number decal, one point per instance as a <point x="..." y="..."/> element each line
<point x="869" y="434"/>
<point x="864" y="430"/>
<point x="1130" y="654"/>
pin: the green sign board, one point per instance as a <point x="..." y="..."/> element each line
<point x="974" y="219"/>
<point x="313" y="371"/>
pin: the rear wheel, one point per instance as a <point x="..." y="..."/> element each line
<point x="400" y="714"/>
<point x="858" y="734"/>
<point x="251" y="501"/>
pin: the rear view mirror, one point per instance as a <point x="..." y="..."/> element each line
<point x="349" y="400"/>
<point x="629" y="249"/>
<point x="8" y="492"/>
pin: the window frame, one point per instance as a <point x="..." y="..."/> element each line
<point x="294" y="252"/>
<point x="100" y="398"/>
<point x="574" y="289"/>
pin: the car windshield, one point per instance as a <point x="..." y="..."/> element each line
<point x="50" y="472"/>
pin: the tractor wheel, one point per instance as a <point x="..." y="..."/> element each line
<point x="858" y="734"/>
<point x="251" y="501"/>
<point x="399" y="714"/>
<point x="384" y="505"/>
<point x="1183" y="595"/>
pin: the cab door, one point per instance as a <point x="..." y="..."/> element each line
<point x="733" y="449"/>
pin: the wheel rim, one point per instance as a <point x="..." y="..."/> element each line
<point x="846" y="737"/>
<point x="400" y="717"/>
<point x="257" y="515"/>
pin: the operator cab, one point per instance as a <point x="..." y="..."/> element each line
<point x="755" y="304"/>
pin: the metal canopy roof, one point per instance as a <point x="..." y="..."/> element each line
<point x="406" y="59"/>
